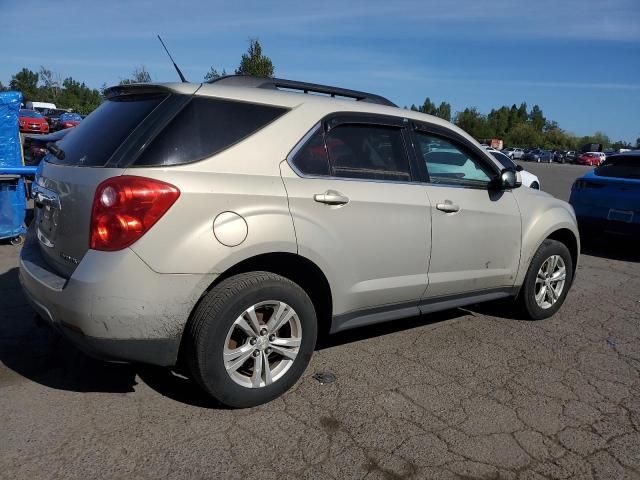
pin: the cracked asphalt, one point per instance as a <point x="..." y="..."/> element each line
<point x="466" y="393"/>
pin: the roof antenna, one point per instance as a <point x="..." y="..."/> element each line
<point x="184" y="80"/>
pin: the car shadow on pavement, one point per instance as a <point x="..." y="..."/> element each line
<point x="386" y="328"/>
<point x="31" y="349"/>
<point x="611" y="247"/>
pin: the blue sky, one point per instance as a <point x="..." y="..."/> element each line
<point x="578" y="59"/>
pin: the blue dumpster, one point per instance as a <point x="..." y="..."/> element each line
<point x="13" y="203"/>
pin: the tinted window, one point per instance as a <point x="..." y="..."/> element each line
<point x="312" y="158"/>
<point x="368" y="152"/>
<point x="30" y="114"/>
<point x="620" y="167"/>
<point x="447" y="164"/>
<point x="95" y="139"/>
<point x="504" y="160"/>
<point x="70" y="117"/>
<point x="205" y="127"/>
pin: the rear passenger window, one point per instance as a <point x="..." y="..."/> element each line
<point x="368" y="152"/>
<point x="312" y="159"/>
<point x="205" y="127"/>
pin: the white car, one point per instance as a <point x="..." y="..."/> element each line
<point x="528" y="179"/>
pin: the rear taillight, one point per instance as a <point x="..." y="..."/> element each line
<point x="125" y="208"/>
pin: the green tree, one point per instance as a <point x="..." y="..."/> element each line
<point x="254" y="62"/>
<point x="25" y="81"/>
<point x="473" y="122"/>
<point x="428" y="107"/>
<point x="521" y="113"/>
<point x="139" y="75"/>
<point x="638" y="142"/>
<point x="537" y="118"/>
<point x="444" y="111"/>
<point x="524" y="135"/>
<point x="499" y="122"/>
<point x="213" y="74"/>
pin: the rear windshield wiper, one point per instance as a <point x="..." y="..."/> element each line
<point x="55" y="150"/>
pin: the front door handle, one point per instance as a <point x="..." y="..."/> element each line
<point x="331" y="197"/>
<point x="448" y="207"/>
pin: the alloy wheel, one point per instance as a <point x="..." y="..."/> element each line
<point x="550" y="281"/>
<point x="262" y="344"/>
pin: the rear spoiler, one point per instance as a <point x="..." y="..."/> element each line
<point x="134" y="89"/>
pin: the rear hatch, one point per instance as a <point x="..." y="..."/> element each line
<point x="93" y="151"/>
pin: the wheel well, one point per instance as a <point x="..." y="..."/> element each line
<point x="296" y="268"/>
<point x="567" y="237"/>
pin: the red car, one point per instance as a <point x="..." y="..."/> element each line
<point x="68" y="120"/>
<point x="592" y="159"/>
<point x="32" y="121"/>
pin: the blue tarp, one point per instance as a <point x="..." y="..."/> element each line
<point x="12" y="195"/>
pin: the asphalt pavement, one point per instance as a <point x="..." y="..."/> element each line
<point x="466" y="393"/>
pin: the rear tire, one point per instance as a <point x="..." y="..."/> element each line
<point x="538" y="297"/>
<point x="223" y="322"/>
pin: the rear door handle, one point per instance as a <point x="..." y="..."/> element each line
<point x="448" y="207"/>
<point x="331" y="197"/>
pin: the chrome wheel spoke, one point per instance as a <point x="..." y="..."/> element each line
<point x="236" y="359"/>
<point x="253" y="319"/>
<point x="542" y="294"/>
<point x="256" y="378"/>
<point x="286" y="352"/>
<point x="286" y="342"/>
<point x="268" y="376"/>
<point x="280" y="317"/>
<point x="559" y="275"/>
<point x="242" y="324"/>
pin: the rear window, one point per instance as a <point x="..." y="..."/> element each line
<point x="621" y="167"/>
<point x="205" y="127"/>
<point x="95" y="139"/>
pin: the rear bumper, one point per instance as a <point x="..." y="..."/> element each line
<point x="114" y="306"/>
<point x="590" y="226"/>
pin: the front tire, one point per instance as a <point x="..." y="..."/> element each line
<point x="251" y="338"/>
<point x="547" y="281"/>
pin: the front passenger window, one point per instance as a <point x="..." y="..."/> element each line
<point x="449" y="165"/>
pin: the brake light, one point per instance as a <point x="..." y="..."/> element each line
<point x="125" y="208"/>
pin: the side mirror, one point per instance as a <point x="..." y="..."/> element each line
<point x="519" y="168"/>
<point x="507" y="180"/>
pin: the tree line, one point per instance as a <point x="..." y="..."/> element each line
<point x="515" y="125"/>
<point x="518" y="126"/>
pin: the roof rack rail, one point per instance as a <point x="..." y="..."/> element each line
<point x="305" y="87"/>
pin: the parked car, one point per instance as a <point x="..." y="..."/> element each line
<point x="220" y="229"/>
<point x="528" y="178"/>
<point x="32" y="121"/>
<point x="513" y="153"/>
<point x="592" y="159"/>
<point x="607" y="198"/>
<point x="52" y="115"/>
<point x="68" y="120"/>
<point x="538" y="155"/>
<point x="34" y="146"/>
<point x="558" y="156"/>
<point x="570" y="156"/>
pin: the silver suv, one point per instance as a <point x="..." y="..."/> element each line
<point x="223" y="226"/>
